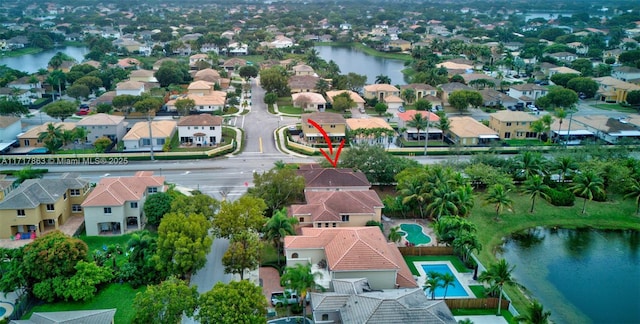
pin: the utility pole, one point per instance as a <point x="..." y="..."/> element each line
<point x="150" y="136"/>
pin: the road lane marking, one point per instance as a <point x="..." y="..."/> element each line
<point x="260" y="141"/>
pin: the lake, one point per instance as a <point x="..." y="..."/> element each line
<point x="581" y="276"/>
<point x="31" y="63"/>
<point x="352" y="60"/>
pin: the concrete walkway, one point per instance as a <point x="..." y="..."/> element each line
<point x="483" y="319"/>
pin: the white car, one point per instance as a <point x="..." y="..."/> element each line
<point x="532" y="108"/>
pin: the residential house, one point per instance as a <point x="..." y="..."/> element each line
<point x="6" y="186"/>
<point x="281" y="42"/>
<point x="613" y="90"/>
<point x="380" y="91"/>
<point x="467" y="131"/>
<point x="209" y="47"/>
<point x="10" y="127"/>
<point x="159" y="62"/>
<point x="449" y="88"/>
<point x="303" y="83"/>
<point x="194" y="59"/>
<point x="350" y="252"/>
<point x="25" y="83"/>
<point x="237" y="49"/>
<point x="97" y="316"/>
<point x="353" y="95"/>
<point x="203" y="88"/>
<point x="303" y="69"/>
<point x="563" y="70"/>
<point x="608" y="129"/>
<point x="626" y="73"/>
<point x="103" y="125"/>
<point x="131" y="45"/>
<point x="20" y="95"/>
<point x="373" y="131"/>
<point x="40" y="205"/>
<point x="527" y="93"/>
<point x="354" y="301"/>
<point x="494" y="98"/>
<point x="309" y="101"/>
<point x="454" y="68"/>
<point x="200" y="130"/>
<point x="411" y="133"/>
<point x="513" y="124"/>
<point x="545" y="68"/>
<point x="30" y="137"/>
<point x="134" y="88"/>
<point x="203" y="103"/>
<point x="116" y="204"/>
<point x="140" y="138"/>
<point x="563" y="56"/>
<point x="333" y="124"/>
<point x="401" y="44"/>
<point x="233" y="64"/>
<point x="146" y="76"/>
<point x="579" y="47"/>
<point x="338" y="208"/>
<point x="317" y="178"/>
<point x="420" y="90"/>
<point x="209" y="75"/>
<point x="128" y="63"/>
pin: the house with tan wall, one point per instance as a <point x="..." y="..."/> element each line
<point x="30" y="137"/>
<point x="513" y="124"/>
<point x="613" y="90"/>
<point x="41" y="205"/>
<point x="467" y="131"/>
<point x="335" y="125"/>
<point x="354" y="96"/>
<point x="138" y="138"/>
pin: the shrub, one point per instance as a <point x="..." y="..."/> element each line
<point x="296" y="309"/>
<point x="560" y="197"/>
<point x="374" y="223"/>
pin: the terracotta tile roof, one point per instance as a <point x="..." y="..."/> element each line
<point x="200" y="120"/>
<point x="417" y="86"/>
<point x="35" y="131"/>
<point x="101" y="119"/>
<point x="469" y="127"/>
<point x="527" y="87"/>
<point x="513" y="116"/>
<point x="117" y="191"/>
<point x="329" y="206"/>
<point x="141" y="73"/>
<point x="313" y="97"/>
<point x="408" y="115"/>
<point x="354" y="96"/>
<point x="367" y="123"/>
<point x="392" y="98"/>
<point x="200" y="85"/>
<point x="380" y="87"/>
<point x="303" y="82"/>
<point x="346" y="248"/>
<point x="324" y="118"/>
<point x="160" y="129"/>
<point x="130" y="85"/>
<point x="334" y="178"/>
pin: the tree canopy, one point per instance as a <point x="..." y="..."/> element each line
<point x="235" y="302"/>
<point x="246" y="213"/>
<point x="278" y="187"/>
<point x="61" y="109"/>
<point x="165" y="303"/>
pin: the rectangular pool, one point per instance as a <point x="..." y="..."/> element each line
<point x="453" y="291"/>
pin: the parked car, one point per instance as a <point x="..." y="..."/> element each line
<point x="532" y="108"/>
<point x="83" y="111"/>
<point x="282" y="298"/>
<point x="401" y="109"/>
<point x="512" y="108"/>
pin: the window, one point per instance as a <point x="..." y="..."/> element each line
<point x="345" y="218"/>
<point x="326" y="224"/>
<point x="50" y="207"/>
<point x="212" y="128"/>
<point x="75" y="208"/>
<point x="325" y="317"/>
<point x="134" y="204"/>
<point x="146" y="141"/>
<point x="301" y="220"/>
<point x="160" y="141"/>
<point x="332" y="126"/>
<point x="21" y="213"/>
<point x="507" y="135"/>
<point x="294" y="255"/>
<point x="74" y="192"/>
<point x="64" y="196"/>
<point x="508" y="123"/>
<point x="152" y="190"/>
<point x="518" y="134"/>
<point x="334" y="224"/>
<point x="107" y="210"/>
<point x="27" y="143"/>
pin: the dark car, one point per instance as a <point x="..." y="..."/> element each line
<point x="512" y="108"/>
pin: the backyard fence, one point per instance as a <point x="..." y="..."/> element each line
<point x="476" y="303"/>
<point x="425" y="250"/>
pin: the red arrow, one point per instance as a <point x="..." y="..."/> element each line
<point x="327" y="139"/>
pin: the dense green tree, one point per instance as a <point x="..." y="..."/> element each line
<point x="184" y="106"/>
<point x="408" y="95"/>
<point x="83" y="285"/>
<point x="558" y="97"/>
<point x="535" y="314"/>
<point x="165" y="303"/>
<point x="104" y="108"/>
<point x="270" y="98"/>
<point x="279" y="226"/>
<point x="383" y="79"/>
<point x="275" y="80"/>
<point x="235" y="302"/>
<point x="148" y="105"/>
<point x="248" y="71"/>
<point x="102" y="144"/>
<point x="78" y="91"/>
<point x="140" y="268"/>
<point x="585" y="66"/>
<point x="124" y="103"/>
<point x="343" y="102"/>
<point x="585" y="85"/>
<point x="562" y="79"/>
<point x="423" y="105"/>
<point x="195" y="204"/>
<point x="183" y="244"/>
<point x="92" y="82"/>
<point x="172" y="73"/>
<point x="535" y="187"/>
<point x="243" y="253"/>
<point x="380" y="108"/>
<point x="528" y="163"/>
<point x="633" y="191"/>
<point x="60" y="109"/>
<point x="301" y="279"/>
<point x="278" y="187"/>
<point x="498" y="274"/>
<point x="498" y="195"/>
<point x="461" y="99"/>
<point x="633" y="97"/>
<point x="12" y="107"/>
<point x="377" y="164"/>
<point x="587" y="185"/>
<point x="52" y="138"/>
<point x="156" y="206"/>
<point x="246" y="213"/>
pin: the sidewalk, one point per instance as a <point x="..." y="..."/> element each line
<point x="281" y="145"/>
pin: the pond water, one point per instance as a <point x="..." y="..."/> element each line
<point x="350" y="59"/>
<point x="31" y="63"/>
<point x="581" y="276"/>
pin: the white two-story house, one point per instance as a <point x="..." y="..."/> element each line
<point x="200" y="130"/>
<point x="527" y="93"/>
<point x="103" y="125"/>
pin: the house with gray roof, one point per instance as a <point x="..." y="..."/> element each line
<point x="41" y="205"/>
<point x="98" y="316"/>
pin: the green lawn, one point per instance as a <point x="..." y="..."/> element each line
<point x="119" y="296"/>
<point x="614" y="107"/>
<point x="614" y="214"/>
<point x="291" y="110"/>
<point x="99" y="242"/>
<point x="470" y="312"/>
<point x="525" y="142"/>
<point x="410" y="259"/>
<point x="269" y="254"/>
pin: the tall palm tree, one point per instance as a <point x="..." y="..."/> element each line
<point x="499" y="197"/>
<point x="560" y="113"/>
<point x="322" y="86"/>
<point x="380" y="79"/>
<point x="547" y="120"/>
<point x="279" y="226"/>
<point x="535" y="314"/>
<point x="498" y="274"/>
<point x="444" y="124"/>
<point x="447" y="280"/>
<point x="564" y="165"/>
<point x="529" y="164"/>
<point x="415" y="193"/>
<point x="52" y="137"/>
<point x="432" y="283"/>
<point x="535" y="187"/>
<point x="587" y="185"/>
<point x="464" y="199"/>
<point x="464" y="243"/>
<point x="537" y="127"/>
<point x="421" y="123"/>
<point x="443" y="200"/>
<point x="633" y="191"/>
<point x="302" y="280"/>
<point x="395" y="235"/>
<point x="408" y="95"/>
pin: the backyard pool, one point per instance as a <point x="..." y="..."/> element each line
<point x="414" y="234"/>
<point x="6" y="309"/>
<point x="457" y="290"/>
<point x="287" y="320"/>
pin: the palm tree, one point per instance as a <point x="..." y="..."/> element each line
<point x="547" y="120"/>
<point x="529" y="164"/>
<point x="408" y="95"/>
<point x="536" y="314"/>
<point x="560" y="114"/>
<point x="565" y="165"/>
<point x="499" y="196"/>
<point x="464" y="243"/>
<point x="443" y="202"/>
<point x="415" y="192"/>
<point x="538" y="127"/>
<point x="421" y="123"/>
<point x="535" y="187"/>
<point x="587" y="185"/>
<point x="447" y="280"/>
<point x="432" y="283"/>
<point x="633" y="191"/>
<point x="395" y="235"/>
<point x="279" y="226"/>
<point x="444" y="124"/>
<point x="302" y="280"/>
<point x="52" y="138"/>
<point x="322" y="86"/>
<point x="380" y="79"/>
<point x="498" y="274"/>
<point x="464" y="199"/>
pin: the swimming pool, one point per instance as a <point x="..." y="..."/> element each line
<point x="457" y="290"/>
<point x="414" y="234"/>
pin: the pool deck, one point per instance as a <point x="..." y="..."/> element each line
<point x="466" y="278"/>
<point x="483" y="319"/>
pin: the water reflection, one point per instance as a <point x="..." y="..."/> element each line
<point x="577" y="242"/>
